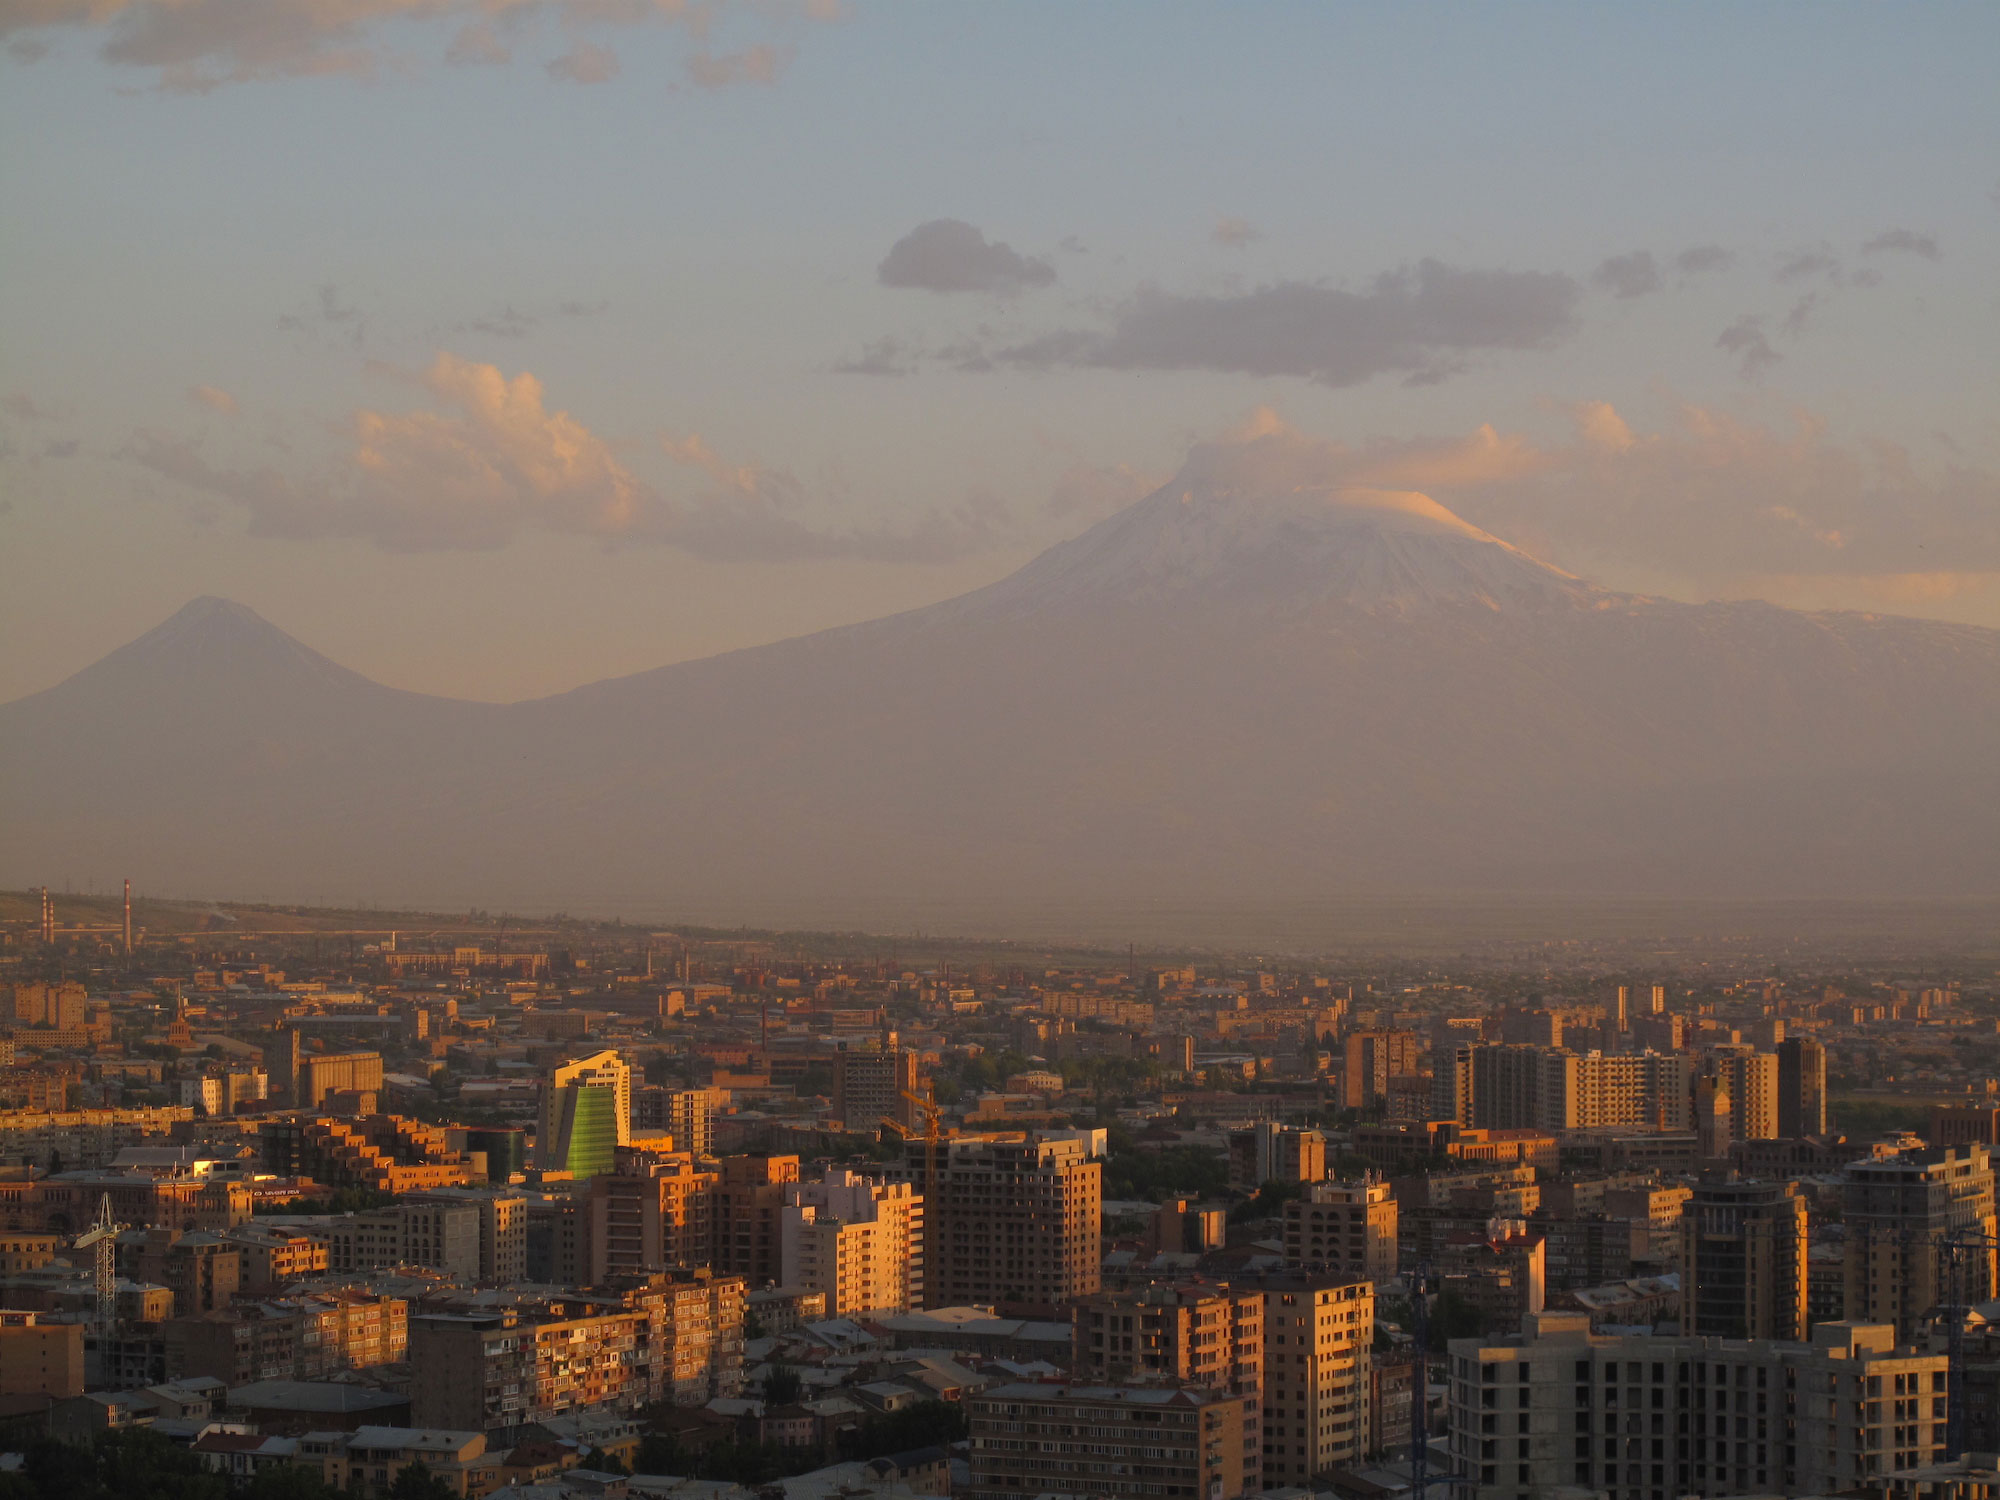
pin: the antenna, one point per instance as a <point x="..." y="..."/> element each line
<point x="128" y="916"/>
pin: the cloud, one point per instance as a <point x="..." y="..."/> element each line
<point x="585" y="63"/>
<point x="328" y="314"/>
<point x="1800" y="315"/>
<point x="1235" y="233"/>
<point x="1745" y="339"/>
<point x="1420" y="322"/>
<point x="1712" y="503"/>
<point x="1092" y="492"/>
<point x="949" y="255"/>
<point x="488" y="460"/>
<point x="478" y="45"/>
<point x="214" y="399"/>
<point x="1904" y="241"/>
<point x="1800" y="265"/>
<point x="719" y="70"/>
<point x="1700" y="259"/>
<point x="1634" y="275"/>
<point x="196" y="46"/>
<point x="885" y="356"/>
<point x="27" y="408"/>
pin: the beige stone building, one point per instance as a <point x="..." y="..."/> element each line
<point x="857" y="1241"/>
<point x="1318" y="1332"/>
<point x="1348" y="1227"/>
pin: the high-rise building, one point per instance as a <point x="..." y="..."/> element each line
<point x="688" y="1115"/>
<point x="1209" y="1335"/>
<point x="1624" y="1013"/>
<point x="1899" y="1212"/>
<point x="1714" y="1119"/>
<point x="649" y="1212"/>
<point x="1801" y="1088"/>
<point x="1318" y="1331"/>
<point x="323" y="1073"/>
<point x="857" y="1241"/>
<point x="1659" y="1000"/>
<point x="1750" y="1078"/>
<point x="1744" y="1271"/>
<point x="748" y="1216"/>
<point x="869" y="1087"/>
<point x="586" y="1115"/>
<point x="503" y="1229"/>
<point x="1553" y="1088"/>
<point x="1108" y="1441"/>
<point x="1345" y="1227"/>
<point x="1636" y="1417"/>
<point x="1372" y="1059"/>
<point x="1269" y="1152"/>
<point x="1012" y="1219"/>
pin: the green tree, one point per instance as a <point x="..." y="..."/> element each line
<point x="416" y="1482"/>
<point x="603" y="1462"/>
<point x="782" y="1386"/>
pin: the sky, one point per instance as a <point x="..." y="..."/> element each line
<point x="497" y="346"/>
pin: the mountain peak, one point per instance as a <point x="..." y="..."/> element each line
<point x="213" y="649"/>
<point x="1270" y="519"/>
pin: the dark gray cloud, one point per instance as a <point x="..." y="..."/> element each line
<point x="1745" y="339"/>
<point x="1903" y="241"/>
<point x="1633" y="275"/>
<point x="1801" y="314"/>
<point x="950" y="255"/>
<point x="1418" y="322"/>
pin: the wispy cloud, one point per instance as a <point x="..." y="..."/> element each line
<point x="1903" y="242"/>
<point x="196" y="46"/>
<point x="214" y="398"/>
<point x="1745" y="339"/>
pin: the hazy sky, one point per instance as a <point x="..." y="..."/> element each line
<point x="493" y="346"/>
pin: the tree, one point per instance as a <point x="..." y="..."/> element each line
<point x="288" y="1482"/>
<point x="661" y="1453"/>
<point x="416" y="1482"/>
<point x="782" y="1386"/>
<point x="55" y="1162"/>
<point x="603" y="1462"/>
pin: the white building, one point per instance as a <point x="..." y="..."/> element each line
<point x="857" y="1241"/>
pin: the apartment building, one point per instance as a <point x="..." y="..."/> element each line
<point x="858" y="1242"/>
<point x="1015" y="1219"/>
<point x="308" y="1337"/>
<point x="1900" y="1212"/>
<point x="1743" y="1257"/>
<point x="1109" y="1441"/>
<point x="419" y="1232"/>
<point x="749" y="1204"/>
<point x="688" y="1115"/>
<point x="663" y="1338"/>
<point x="1318" y="1332"/>
<point x="1750" y="1078"/>
<point x="1346" y="1227"/>
<point x="503" y="1228"/>
<point x="1801" y="1088"/>
<point x="273" y="1256"/>
<point x="649" y="1212"/>
<point x="1553" y="1088"/>
<point x="1206" y="1335"/>
<point x="1269" y="1152"/>
<point x="869" y="1087"/>
<point x="1644" y="1418"/>
<point x="1370" y="1060"/>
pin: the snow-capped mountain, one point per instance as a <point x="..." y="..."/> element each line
<point x="1257" y="686"/>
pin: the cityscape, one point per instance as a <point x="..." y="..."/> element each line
<point x="999" y="750"/>
<point x="483" y="1205"/>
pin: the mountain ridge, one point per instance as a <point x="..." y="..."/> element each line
<point x="1268" y="692"/>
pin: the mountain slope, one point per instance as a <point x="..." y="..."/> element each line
<point x="1249" y="688"/>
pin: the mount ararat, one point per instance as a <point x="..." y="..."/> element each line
<point x="1254" y="686"/>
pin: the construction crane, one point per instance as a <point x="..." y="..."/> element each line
<point x="102" y="1240"/>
